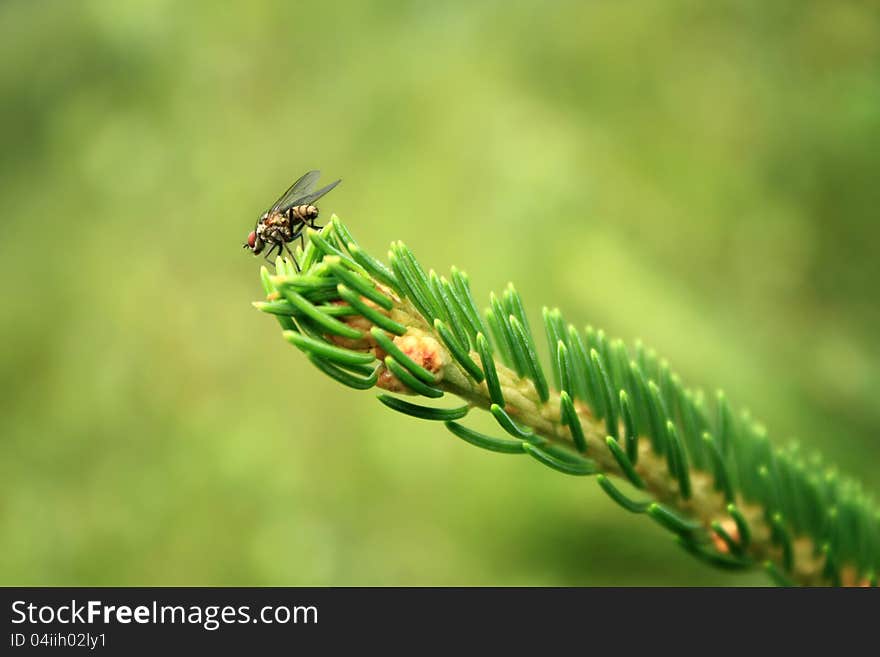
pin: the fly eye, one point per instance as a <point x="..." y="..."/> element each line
<point x="252" y="239"/>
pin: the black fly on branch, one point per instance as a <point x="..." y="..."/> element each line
<point x="288" y="218"/>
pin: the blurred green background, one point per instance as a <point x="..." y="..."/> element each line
<point x="700" y="175"/>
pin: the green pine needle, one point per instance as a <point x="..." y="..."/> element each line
<point x="571" y="419"/>
<point x="625" y="463"/>
<point x="571" y="466"/>
<point x="503" y="445"/>
<point x="507" y="423"/>
<point x="614" y="493"/>
<point x="403" y="374"/>
<point x="424" y="412"/>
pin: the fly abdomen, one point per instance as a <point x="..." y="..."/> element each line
<point x="304" y="213"/>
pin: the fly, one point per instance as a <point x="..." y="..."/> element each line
<point x="288" y="218"/>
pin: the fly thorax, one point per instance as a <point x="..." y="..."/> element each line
<point x="275" y="228"/>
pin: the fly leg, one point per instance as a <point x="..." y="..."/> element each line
<point x="269" y="254"/>
<point x="292" y="258"/>
<point x="302" y="240"/>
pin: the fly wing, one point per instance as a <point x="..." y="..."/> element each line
<point x="300" y="188"/>
<point x="308" y="199"/>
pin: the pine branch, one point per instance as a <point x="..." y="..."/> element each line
<point x="708" y="475"/>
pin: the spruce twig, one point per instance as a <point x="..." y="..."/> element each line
<point x="709" y="476"/>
